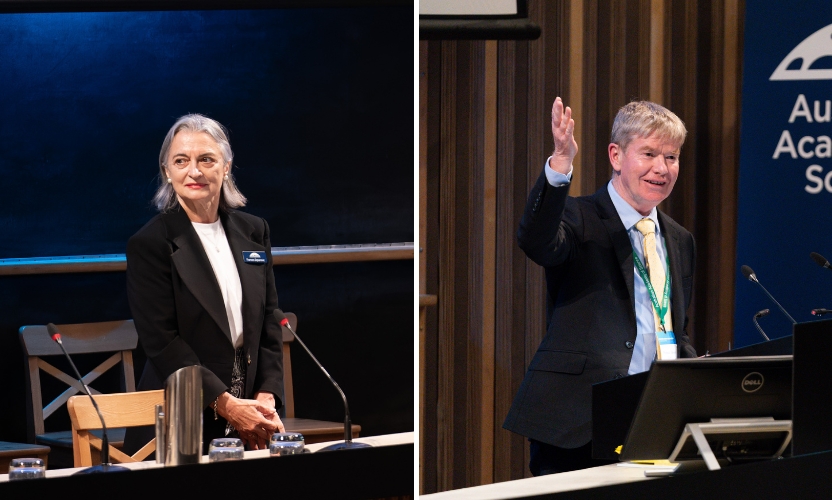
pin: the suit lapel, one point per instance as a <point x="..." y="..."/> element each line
<point x="194" y="268"/>
<point x="621" y="243"/>
<point x="677" y="302"/>
<point x="252" y="277"/>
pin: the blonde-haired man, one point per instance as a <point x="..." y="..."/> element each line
<point x="619" y="277"/>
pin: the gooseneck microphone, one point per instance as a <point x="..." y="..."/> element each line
<point x="760" y="314"/>
<point x="348" y="443"/>
<point x="820" y="260"/>
<point x="749" y="273"/>
<point x="105" y="465"/>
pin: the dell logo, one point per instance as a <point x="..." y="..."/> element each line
<point x="752" y="382"/>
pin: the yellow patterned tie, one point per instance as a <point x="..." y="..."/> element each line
<point x="655" y="269"/>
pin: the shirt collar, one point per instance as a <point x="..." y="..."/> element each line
<point x="629" y="216"/>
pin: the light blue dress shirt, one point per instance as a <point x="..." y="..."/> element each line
<point x="644" y="351"/>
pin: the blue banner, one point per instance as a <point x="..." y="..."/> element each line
<point x="785" y="176"/>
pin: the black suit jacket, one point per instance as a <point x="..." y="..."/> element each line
<point x="591" y="323"/>
<point x="179" y="312"/>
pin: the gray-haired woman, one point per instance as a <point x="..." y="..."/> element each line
<point x="201" y="289"/>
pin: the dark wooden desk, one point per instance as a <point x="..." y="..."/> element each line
<point x="379" y="472"/>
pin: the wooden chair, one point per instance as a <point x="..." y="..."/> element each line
<point x="314" y="431"/>
<point x="117" y="337"/>
<point x="129" y="409"/>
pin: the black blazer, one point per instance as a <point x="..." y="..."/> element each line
<point x="179" y="313"/>
<point x="591" y="323"/>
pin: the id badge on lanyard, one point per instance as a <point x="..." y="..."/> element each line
<point x="665" y="339"/>
<point x="667" y="344"/>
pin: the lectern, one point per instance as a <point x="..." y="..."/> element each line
<point x="812" y="390"/>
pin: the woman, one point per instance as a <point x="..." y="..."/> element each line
<point x="201" y="289"/>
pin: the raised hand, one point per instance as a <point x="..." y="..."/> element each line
<point x="563" y="132"/>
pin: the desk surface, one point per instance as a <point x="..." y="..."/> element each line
<point x="375" y="441"/>
<point x="556" y="483"/>
<point x="805" y="476"/>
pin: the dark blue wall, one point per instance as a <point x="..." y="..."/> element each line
<point x="319" y="104"/>
<point x="781" y="217"/>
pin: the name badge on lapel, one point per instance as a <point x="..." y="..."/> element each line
<point x="257" y="258"/>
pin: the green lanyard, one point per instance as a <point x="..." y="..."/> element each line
<point x="660" y="311"/>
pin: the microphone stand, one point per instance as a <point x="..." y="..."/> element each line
<point x="348" y="442"/>
<point x="749" y="274"/>
<point x="105" y="465"/>
<point x="760" y="314"/>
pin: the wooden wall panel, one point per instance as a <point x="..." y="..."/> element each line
<point x="430" y="87"/>
<point x="486" y="139"/>
<point x="510" y="296"/>
<point x="590" y="154"/>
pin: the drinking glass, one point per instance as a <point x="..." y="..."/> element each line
<point x="26" y="468"/>
<point x="223" y="449"/>
<point x="286" y="443"/>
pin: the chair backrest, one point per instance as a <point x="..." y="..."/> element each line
<point x="119" y="337"/>
<point x="128" y="409"/>
<point x="288" y="390"/>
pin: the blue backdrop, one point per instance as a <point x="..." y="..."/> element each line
<point x="785" y="181"/>
<point x="318" y="103"/>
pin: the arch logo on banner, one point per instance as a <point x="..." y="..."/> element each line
<point x="801" y="63"/>
<point x="785" y="175"/>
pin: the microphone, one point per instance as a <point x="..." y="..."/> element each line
<point x="821" y="311"/>
<point x="105" y="465"/>
<point x="348" y="443"/>
<point x="749" y="273"/>
<point x="760" y="314"/>
<point x="820" y="260"/>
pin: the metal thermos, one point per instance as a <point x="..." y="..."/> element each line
<point x="179" y="439"/>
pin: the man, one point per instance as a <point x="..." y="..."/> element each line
<point x="618" y="288"/>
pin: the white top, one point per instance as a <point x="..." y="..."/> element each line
<point x="225" y="270"/>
